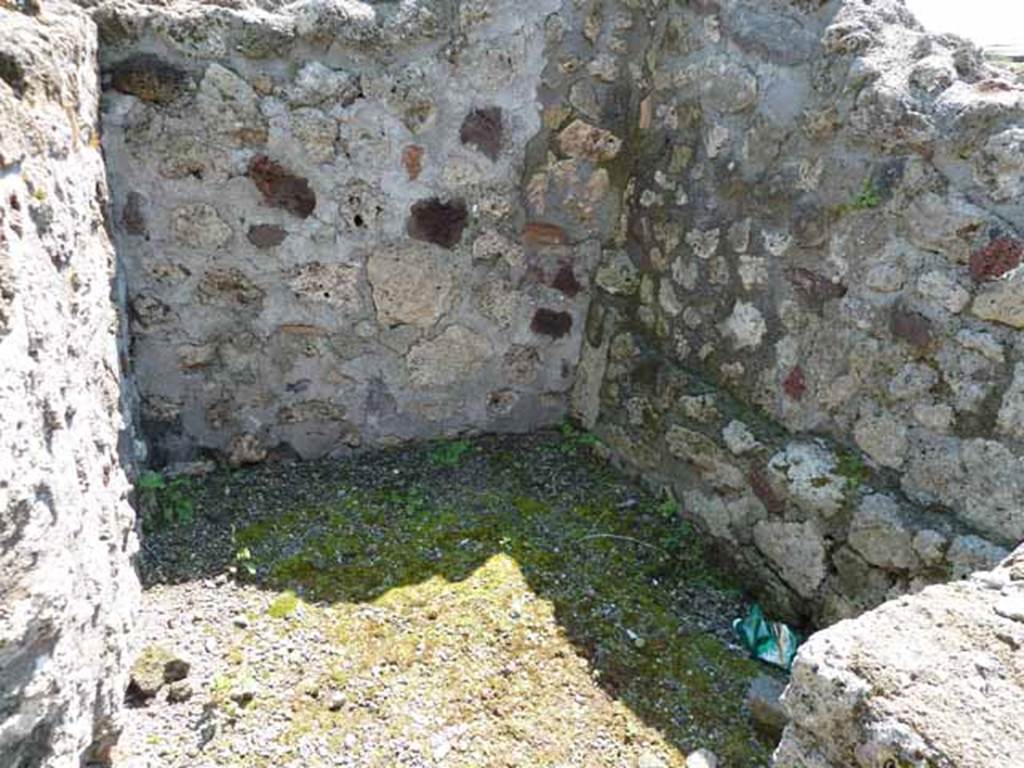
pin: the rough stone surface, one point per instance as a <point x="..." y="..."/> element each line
<point x="898" y="685"/>
<point x="68" y="589"/>
<point x="821" y="230"/>
<point x="330" y="227"/>
<point x="797" y="550"/>
<point x="764" y="702"/>
<point x="353" y="224"/>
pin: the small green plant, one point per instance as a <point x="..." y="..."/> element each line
<point x="244" y="562"/>
<point x="573" y="439"/>
<point x="668" y="508"/>
<point x="450" y="454"/>
<point x="164" y="502"/>
<point x="851" y="466"/>
<point x="868" y="197"/>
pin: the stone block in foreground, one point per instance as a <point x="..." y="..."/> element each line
<point x="67" y="587"/>
<point x="934" y="679"/>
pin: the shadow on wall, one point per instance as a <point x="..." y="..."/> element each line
<point x="437" y="538"/>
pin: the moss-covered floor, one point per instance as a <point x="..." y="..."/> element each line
<point x="495" y="602"/>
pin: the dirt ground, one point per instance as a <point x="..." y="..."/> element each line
<point x="495" y="602"/>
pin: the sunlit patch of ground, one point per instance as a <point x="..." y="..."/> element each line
<point x="502" y="602"/>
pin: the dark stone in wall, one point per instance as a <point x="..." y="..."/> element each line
<point x="266" y="235"/>
<point x="549" y="322"/>
<point x="13" y="73"/>
<point x="133" y="217"/>
<point x="434" y="221"/>
<point x="911" y="327"/>
<point x="149" y="78"/>
<point x="483" y="129"/>
<point x="996" y="259"/>
<point x="795" y="384"/>
<point x="281" y="189"/>
<point x="566" y="282"/>
<point x="814" y="289"/>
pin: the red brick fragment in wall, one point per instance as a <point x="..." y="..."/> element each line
<point x="795" y="385"/>
<point x="540" y="233"/>
<point x="566" y="282"/>
<point x="996" y="259"/>
<point x="281" y="189"/>
<point x="412" y="161"/>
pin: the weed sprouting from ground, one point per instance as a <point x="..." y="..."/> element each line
<point x="449" y="454"/>
<point x="164" y="501"/>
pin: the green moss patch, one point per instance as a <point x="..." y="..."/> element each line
<point x="515" y="595"/>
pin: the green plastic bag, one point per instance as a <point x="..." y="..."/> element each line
<point x="769" y="641"/>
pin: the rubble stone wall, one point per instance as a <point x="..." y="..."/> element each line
<point x="67" y="588"/>
<point x="810" y="329"/>
<point x="321" y="213"/>
<point x="788" y="231"/>
<point x="768" y="250"/>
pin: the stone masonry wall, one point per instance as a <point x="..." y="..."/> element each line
<point x="321" y="214"/>
<point x="811" y="330"/>
<point x="67" y="589"/>
<point x="789" y="230"/>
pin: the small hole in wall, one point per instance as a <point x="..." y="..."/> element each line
<point x="358" y="221"/>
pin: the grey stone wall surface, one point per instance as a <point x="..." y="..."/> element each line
<point x="768" y="250"/>
<point x="67" y="588"/>
<point x="321" y="213"/>
<point x="810" y="332"/>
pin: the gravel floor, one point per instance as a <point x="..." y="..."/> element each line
<point x="496" y="602"/>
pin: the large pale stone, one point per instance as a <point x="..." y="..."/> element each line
<point x="412" y="284"/>
<point x="982" y="480"/>
<point x="805" y="473"/>
<point x="746" y="326"/>
<point x="701" y="452"/>
<point x="1002" y="301"/>
<point x="880" y="535"/>
<point x="883" y="438"/>
<point x="905" y="683"/>
<point x="586" y="393"/>
<point x="199" y="226"/>
<point x="333" y="284"/>
<point x="454" y="356"/>
<point x="797" y="550"/>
